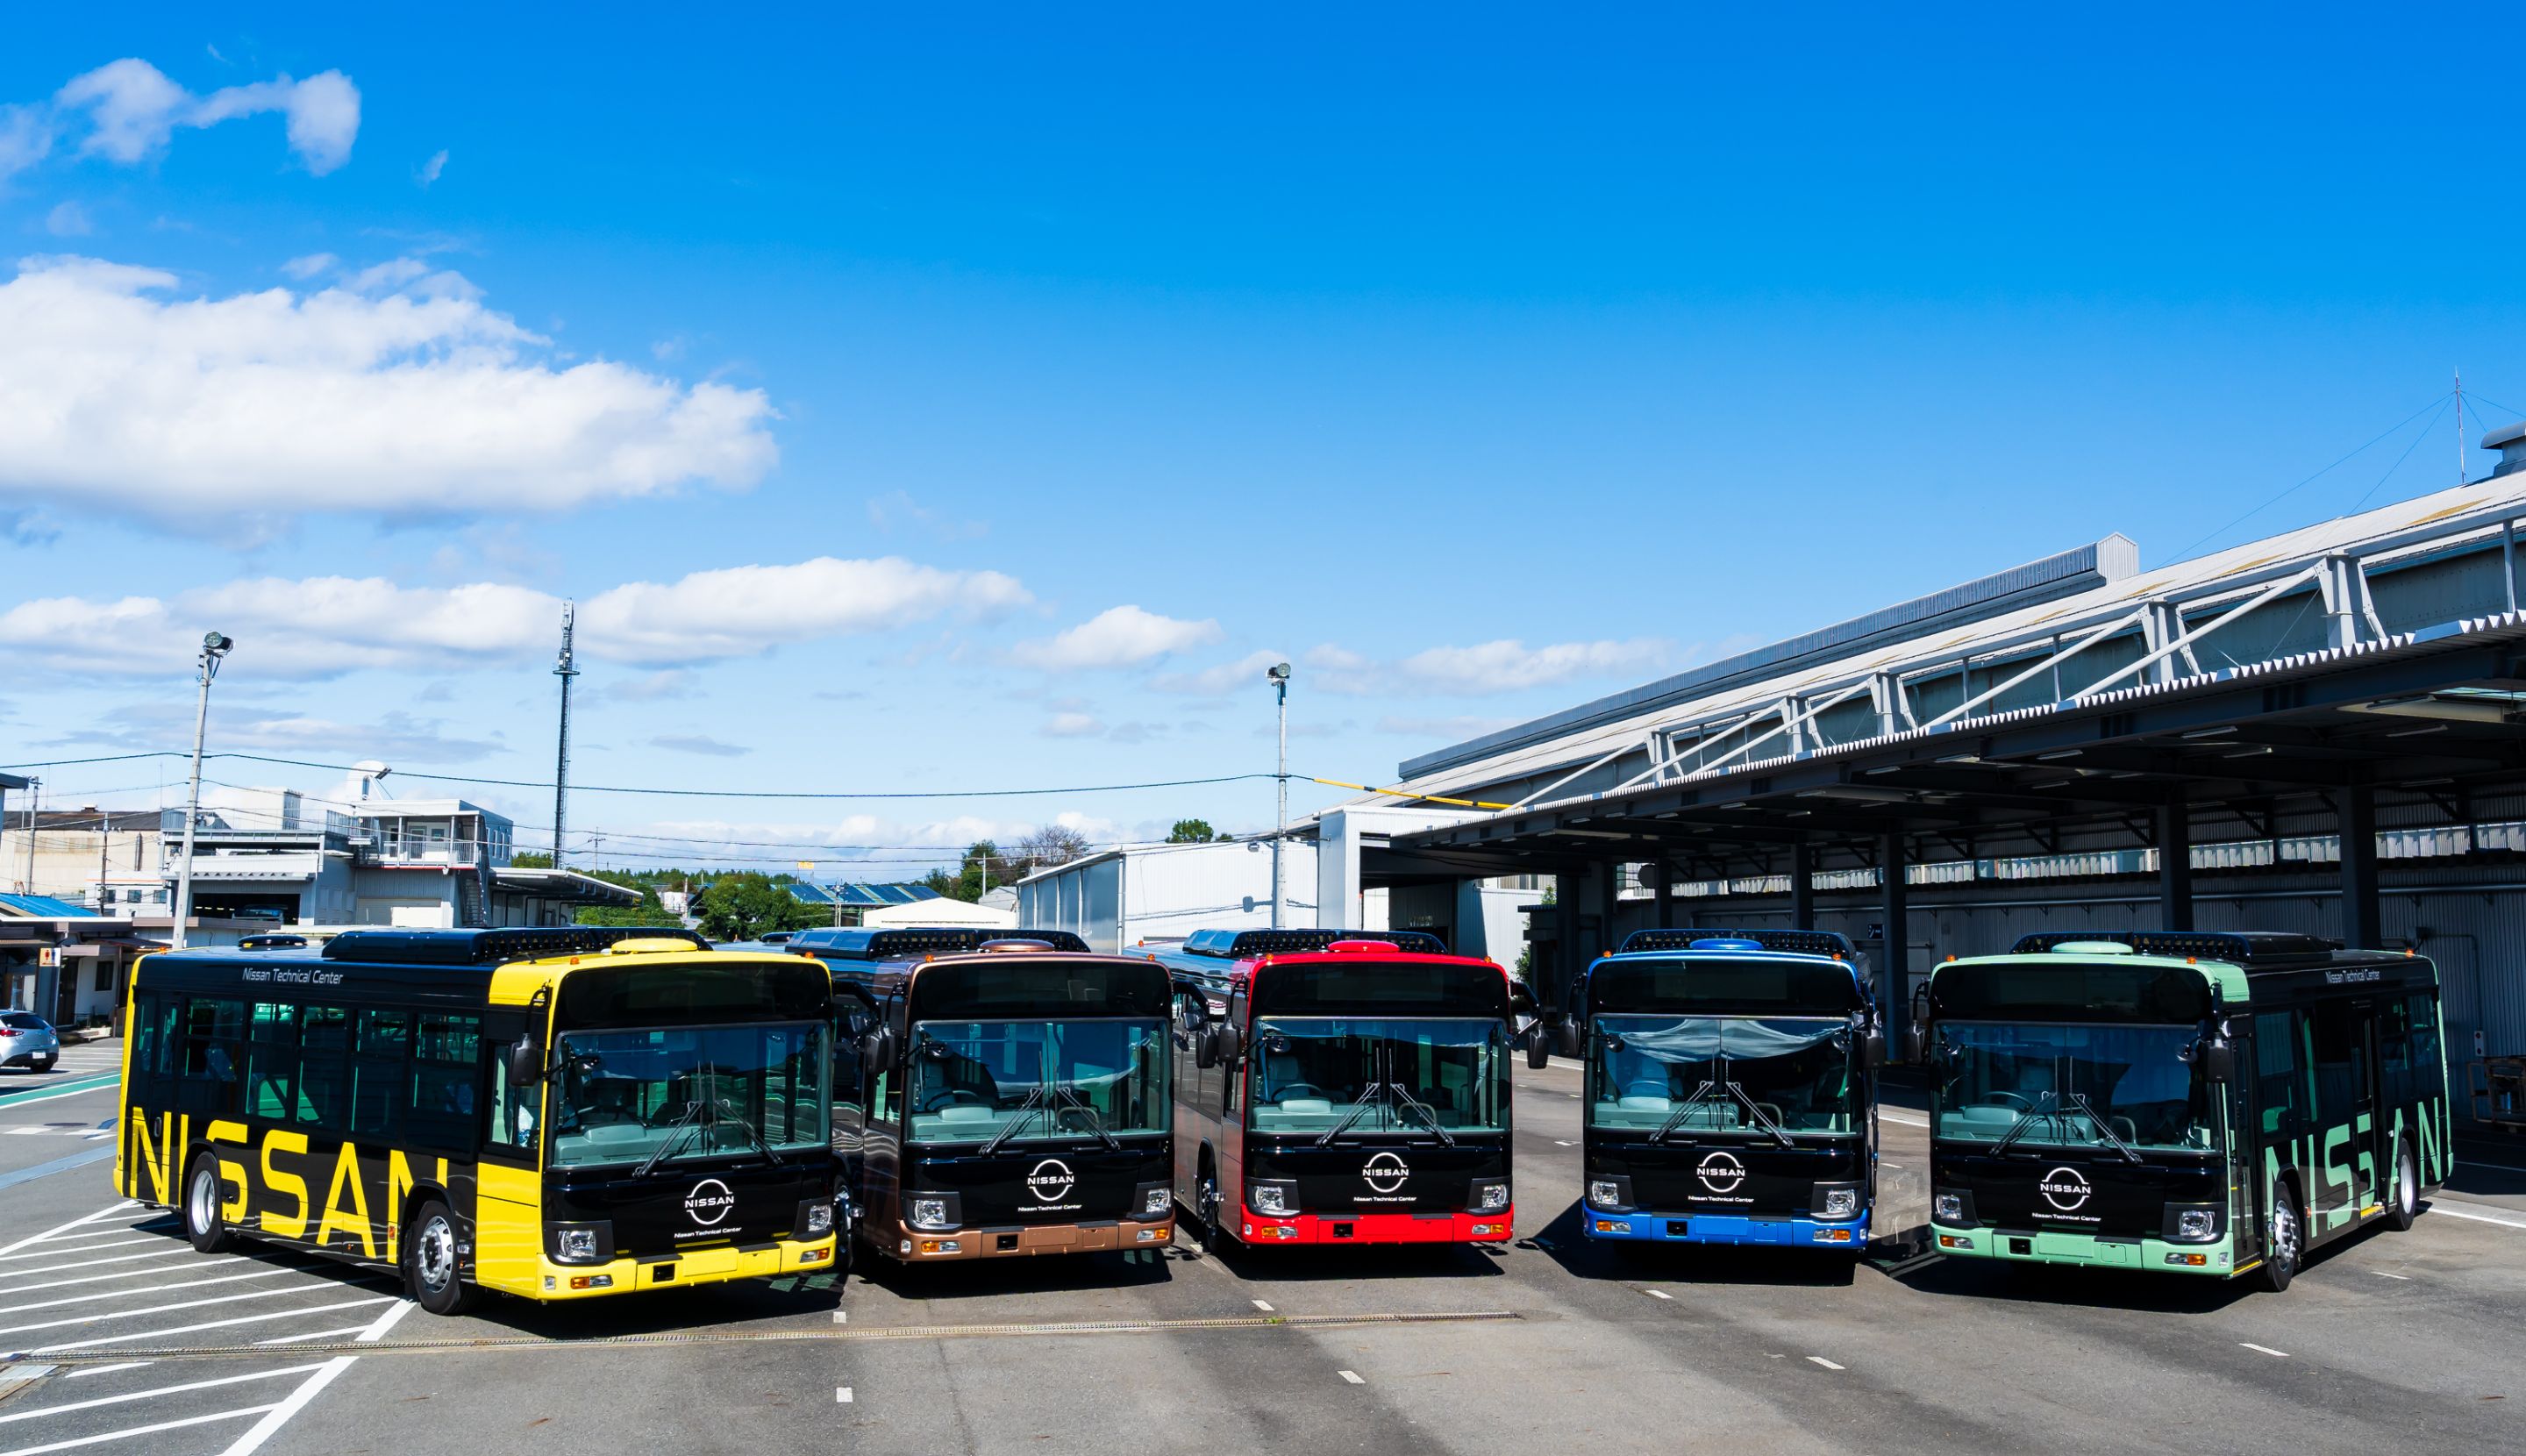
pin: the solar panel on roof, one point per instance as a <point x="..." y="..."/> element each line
<point x="2242" y="946"/>
<point x="1803" y="942"/>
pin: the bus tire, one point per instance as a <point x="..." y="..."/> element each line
<point x="205" y="1196"/>
<point x="1214" y="1235"/>
<point x="432" y="1269"/>
<point x="2284" y="1240"/>
<point x="2404" y="1203"/>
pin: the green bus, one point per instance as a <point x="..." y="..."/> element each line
<point x="2197" y="1103"/>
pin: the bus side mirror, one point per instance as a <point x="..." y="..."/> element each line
<point x="1871" y="1050"/>
<point x="1232" y="1043"/>
<point x="1911" y="1043"/>
<point x="2217" y="1061"/>
<point x="1539" y="1047"/>
<point x="876" y="1048"/>
<point x="1571" y="1037"/>
<point x="1205" y="1048"/>
<point x="526" y="1062"/>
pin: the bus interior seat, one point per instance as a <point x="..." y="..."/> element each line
<point x="1644" y="1102"/>
<point x="1305" y="1105"/>
<point x="966" y="1111"/>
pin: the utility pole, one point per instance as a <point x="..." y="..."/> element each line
<point x="565" y="670"/>
<point x="34" y="804"/>
<point x="2460" y="427"/>
<point x="214" y="647"/>
<point x="1277" y="674"/>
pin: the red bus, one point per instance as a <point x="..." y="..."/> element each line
<point x="1342" y="1086"/>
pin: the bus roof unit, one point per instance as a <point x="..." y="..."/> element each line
<point x="1803" y="942"/>
<point x="491" y="947"/>
<point x="1243" y="945"/>
<point x="872" y="943"/>
<point x="2242" y="947"/>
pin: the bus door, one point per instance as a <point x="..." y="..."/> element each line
<point x="1231" y="1105"/>
<point x="1193" y="1092"/>
<point x="508" y="1181"/>
<point x="2342" y="1035"/>
<point x="854" y="1017"/>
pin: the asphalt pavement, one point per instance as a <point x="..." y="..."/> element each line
<point x="133" y="1343"/>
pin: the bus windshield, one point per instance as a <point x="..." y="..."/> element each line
<point x="676" y="1094"/>
<point x="2115" y="1087"/>
<point x="1339" y="1076"/>
<point x="1765" y="1077"/>
<point x="994" y="1083"/>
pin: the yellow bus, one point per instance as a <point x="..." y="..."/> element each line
<point x="555" y="1114"/>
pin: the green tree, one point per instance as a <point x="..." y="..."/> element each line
<point x="1195" y="831"/>
<point x="531" y="859"/>
<point x="965" y="882"/>
<point x="649" y="912"/>
<point x="746" y="906"/>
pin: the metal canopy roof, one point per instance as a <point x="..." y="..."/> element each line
<point x="857" y="896"/>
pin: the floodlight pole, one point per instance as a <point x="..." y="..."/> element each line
<point x="214" y="647"/>
<point x="1279" y="677"/>
<point x="565" y="669"/>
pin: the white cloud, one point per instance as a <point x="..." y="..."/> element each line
<point x="1116" y="637"/>
<point x="311" y="264"/>
<point x="700" y="743"/>
<point x="132" y="109"/>
<point x="25" y="138"/>
<point x="322" y="625"/>
<point x="1224" y="680"/>
<point x="431" y="170"/>
<point x="1446" y="729"/>
<point x="897" y="509"/>
<point x="1503" y="665"/>
<point x="402" y="403"/>
<point x="67" y="220"/>
<point x="1071" y="726"/>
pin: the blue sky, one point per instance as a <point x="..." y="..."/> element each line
<point x="855" y="374"/>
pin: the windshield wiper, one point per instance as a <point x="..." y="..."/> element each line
<point x="1762" y="1119"/>
<point x="2025" y="1120"/>
<point x="1096" y="1124"/>
<point x="1675" y="1118"/>
<point x="1358" y="1109"/>
<point x="754" y="1135"/>
<point x="1415" y="1104"/>
<point x="675" y="1137"/>
<point x="2078" y="1100"/>
<point x="1032" y="1104"/>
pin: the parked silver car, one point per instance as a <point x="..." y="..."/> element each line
<point x="28" y="1040"/>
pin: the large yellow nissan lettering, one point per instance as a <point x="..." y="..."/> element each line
<point x="233" y="1210"/>
<point x="346" y="1171"/>
<point x="286" y="1184"/>
<point x="399" y="1185"/>
<point x="153" y="1157"/>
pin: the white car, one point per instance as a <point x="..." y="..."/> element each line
<point x="28" y="1040"/>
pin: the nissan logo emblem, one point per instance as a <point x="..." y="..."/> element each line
<point x="1721" y="1173"/>
<point x="2065" y="1188"/>
<point x="709" y="1202"/>
<point x="1386" y="1173"/>
<point x="1050" y="1180"/>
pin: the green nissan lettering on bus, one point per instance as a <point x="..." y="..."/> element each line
<point x="2197" y="1103"/>
<point x="556" y="1113"/>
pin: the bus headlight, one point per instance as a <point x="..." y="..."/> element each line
<point x="1272" y="1200"/>
<point x="1952" y="1209"/>
<point x="1155" y="1200"/>
<point x="2193" y="1225"/>
<point x="1836" y="1201"/>
<point x="1490" y="1198"/>
<point x="580" y="1244"/>
<point x="820" y="1219"/>
<point x="1612" y="1193"/>
<point x="936" y="1210"/>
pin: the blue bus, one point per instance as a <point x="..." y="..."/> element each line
<point x="1730" y="1089"/>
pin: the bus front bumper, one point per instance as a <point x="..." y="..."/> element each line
<point x="1785" y="1231"/>
<point x="1398" y="1227"/>
<point x="931" y="1245"/>
<point x="697" y="1267"/>
<point x="2032" y="1246"/>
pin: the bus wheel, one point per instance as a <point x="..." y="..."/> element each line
<point x="2404" y="1204"/>
<point x="2284" y="1242"/>
<point x="1206" y="1194"/>
<point x="431" y="1267"/>
<point x="203" y="1196"/>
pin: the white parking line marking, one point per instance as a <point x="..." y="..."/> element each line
<point x="294" y="1340"/>
<point x="1820" y="1360"/>
<point x="1657" y="1293"/>
<point x="841" y="1316"/>
<point x="379" y="1327"/>
<point x="116" y="1435"/>
<point x="129" y="1274"/>
<point x="286" y="1314"/>
<point x="80" y="1375"/>
<point x="2383" y="1275"/>
<point x="841" y="1395"/>
<point x="7" y="1250"/>
<point x="1351" y="1376"/>
<point x="2264" y="1349"/>
<point x="2441" y="1206"/>
<point x="181" y="1248"/>
<point x="1557" y="1142"/>
<point x="86" y="1247"/>
<point x="225" y="1278"/>
<point x="2494" y="1166"/>
<point x="1905" y="1117"/>
<point x="86" y="1405"/>
<point x="276" y="1416"/>
<point x="156" y="1309"/>
<point x="1265" y="1308"/>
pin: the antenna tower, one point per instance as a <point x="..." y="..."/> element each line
<point x="565" y="670"/>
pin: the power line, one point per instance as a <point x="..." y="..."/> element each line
<point x="2187" y="553"/>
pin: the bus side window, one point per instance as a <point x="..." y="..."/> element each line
<point x="145" y="1037"/>
<point x="270" y="1059"/>
<point x="883" y="1105"/>
<point x="446" y="1060"/>
<point x="2275" y="1080"/>
<point x="2429" y="1069"/>
<point x="2341" y="1063"/>
<point x="2395" y="1051"/>
<point x="378" y="1072"/>
<point x="853" y="1022"/>
<point x="324" y="1066"/>
<point x="207" y="1057"/>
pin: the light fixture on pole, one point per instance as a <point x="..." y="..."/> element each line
<point x="214" y="647"/>
<point x="1277" y="674"/>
